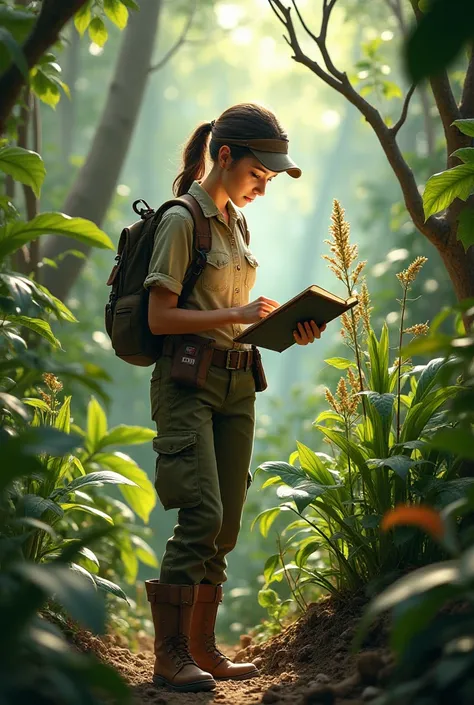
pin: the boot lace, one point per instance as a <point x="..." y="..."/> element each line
<point x="178" y="647"/>
<point x="211" y="647"/>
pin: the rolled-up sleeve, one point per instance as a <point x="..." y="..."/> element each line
<point x="172" y="252"/>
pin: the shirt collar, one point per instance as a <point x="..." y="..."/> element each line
<point x="208" y="206"/>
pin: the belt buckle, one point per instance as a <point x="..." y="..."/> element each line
<point x="228" y="364"/>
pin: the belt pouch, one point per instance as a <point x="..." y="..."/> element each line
<point x="258" y="371"/>
<point x="192" y="357"/>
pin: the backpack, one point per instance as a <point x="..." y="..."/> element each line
<point x="126" y="313"/>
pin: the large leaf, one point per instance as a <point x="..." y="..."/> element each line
<point x="96" y="424"/>
<point x="313" y="465"/>
<point x="16" y="234"/>
<point x="14" y="50"/>
<point x="303" y="493"/>
<point x="144" y="552"/>
<point x="441" y="189"/>
<point x="24" y="166"/>
<point x="116" y="12"/>
<point x="70" y="589"/>
<point x="465" y="126"/>
<point x="289" y="474"/>
<point x="83" y="17"/>
<point x="420" y="414"/>
<point x="340" y="363"/>
<point x="110" y="587"/>
<point x="70" y="506"/>
<point x="126" y="435"/>
<point x="383" y="403"/>
<point x="93" y="479"/>
<point x="142" y="497"/>
<point x="455" y="440"/>
<point x="14" y="405"/>
<point x="265" y="519"/>
<point x="37" y="325"/>
<point x="438" y="37"/>
<point x="35" y="506"/>
<point x="398" y="463"/>
<point x="98" y="31"/>
<point x="428" y="378"/>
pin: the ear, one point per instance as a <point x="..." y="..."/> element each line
<point x="224" y="157"/>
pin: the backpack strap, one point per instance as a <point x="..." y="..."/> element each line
<point x="242" y="223"/>
<point x="202" y="240"/>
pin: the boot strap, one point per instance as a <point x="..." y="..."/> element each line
<point x="171" y="594"/>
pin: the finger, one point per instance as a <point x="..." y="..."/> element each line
<point x="298" y="338"/>
<point x="322" y="328"/>
<point x="271" y="301"/>
<point x="315" y="329"/>
<point x="309" y="332"/>
<point x="303" y="334"/>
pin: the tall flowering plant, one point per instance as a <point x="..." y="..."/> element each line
<point x="374" y="451"/>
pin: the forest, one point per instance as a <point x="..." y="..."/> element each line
<point x="351" y="580"/>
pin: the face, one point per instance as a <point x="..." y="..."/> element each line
<point x="244" y="179"/>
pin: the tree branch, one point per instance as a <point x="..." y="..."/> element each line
<point x="179" y="43"/>
<point x="406" y="104"/>
<point x="320" y="40"/>
<point x="466" y="107"/>
<point x="435" y="229"/>
<point x="446" y="104"/>
<point x="53" y="16"/>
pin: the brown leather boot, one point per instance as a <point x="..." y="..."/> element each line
<point x="202" y="640"/>
<point x="171" y="608"/>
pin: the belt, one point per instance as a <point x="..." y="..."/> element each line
<point x="227" y="359"/>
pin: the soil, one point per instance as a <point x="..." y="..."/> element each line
<point x="310" y="662"/>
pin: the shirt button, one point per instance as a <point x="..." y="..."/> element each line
<point x="237" y="291"/>
<point x="238" y="267"/>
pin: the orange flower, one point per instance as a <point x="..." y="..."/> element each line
<point x="424" y="517"/>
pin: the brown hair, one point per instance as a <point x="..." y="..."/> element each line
<point x="243" y="121"/>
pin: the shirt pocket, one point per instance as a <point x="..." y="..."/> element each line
<point x="215" y="276"/>
<point x="251" y="264"/>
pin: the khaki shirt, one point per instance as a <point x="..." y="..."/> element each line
<point x="228" y="276"/>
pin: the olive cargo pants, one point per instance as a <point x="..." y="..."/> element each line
<point x="204" y="446"/>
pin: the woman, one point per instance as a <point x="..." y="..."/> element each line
<point x="205" y="435"/>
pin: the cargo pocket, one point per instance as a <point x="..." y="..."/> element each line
<point x="176" y="477"/>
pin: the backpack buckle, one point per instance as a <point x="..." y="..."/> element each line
<point x="142" y="212"/>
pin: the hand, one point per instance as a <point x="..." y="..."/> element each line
<point x="307" y="332"/>
<point x="253" y="312"/>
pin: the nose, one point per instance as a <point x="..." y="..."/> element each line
<point x="260" y="188"/>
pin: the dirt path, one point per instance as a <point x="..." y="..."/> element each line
<point x="309" y="663"/>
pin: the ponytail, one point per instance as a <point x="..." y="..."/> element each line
<point x="194" y="159"/>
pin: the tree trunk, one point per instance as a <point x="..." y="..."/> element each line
<point x="95" y="185"/>
<point x="460" y="267"/>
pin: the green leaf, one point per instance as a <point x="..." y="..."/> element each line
<point x="70" y="506"/>
<point x="271" y="565"/>
<point x="14" y="235"/>
<point x="14" y="50"/>
<point x="383" y="403"/>
<point x="110" y="587"/>
<point x="303" y="493"/>
<point x="465" y="154"/>
<point x="116" y="12"/>
<point x="419" y="581"/>
<point x="455" y="440"/>
<point x="42" y="328"/>
<point x="94" y="479"/>
<point x="98" y="31"/>
<point x="83" y="17"/>
<point x="45" y="87"/>
<point x="144" y="552"/>
<point x="428" y="378"/>
<point x="441" y="189"/>
<point x="391" y="90"/>
<point x="14" y="405"/>
<point x="328" y="416"/>
<point x="63" y="419"/>
<point x="303" y="553"/>
<point x="96" y="425"/>
<point x="23" y="165"/>
<point x="90" y="555"/>
<point x="340" y="363"/>
<point x="267" y="598"/>
<point x="35" y="506"/>
<point x="398" y="463"/>
<point x="126" y="435"/>
<point x="466" y="227"/>
<point x="68" y="588"/>
<point x="266" y="519"/>
<point x="438" y="37"/>
<point x="142" y="497"/>
<point x="466" y="127"/>
<point x="313" y="465"/>
<point x="131" y="4"/>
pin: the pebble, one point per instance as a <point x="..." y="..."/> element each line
<point x="370" y="693"/>
<point x="322" y="678"/>
<point x="245" y="640"/>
